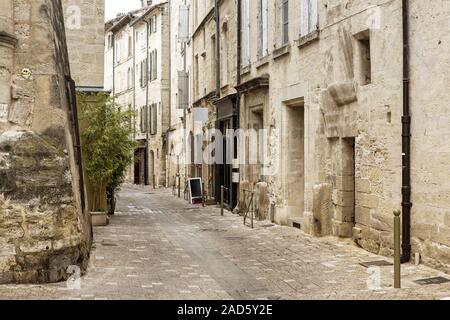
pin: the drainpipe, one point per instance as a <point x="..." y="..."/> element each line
<point x="217" y="13"/>
<point x="238" y="59"/>
<point x="147" y="151"/>
<point x="8" y="42"/>
<point x="406" y="141"/>
<point x="238" y="71"/>
<point x="170" y="72"/>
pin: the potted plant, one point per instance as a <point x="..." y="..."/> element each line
<point x="108" y="148"/>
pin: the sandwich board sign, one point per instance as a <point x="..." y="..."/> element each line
<point x="195" y="190"/>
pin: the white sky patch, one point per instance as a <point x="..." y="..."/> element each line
<point x="113" y="7"/>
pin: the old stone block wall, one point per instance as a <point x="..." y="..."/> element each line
<point x="43" y="227"/>
<point x="85" y="33"/>
<point x="346" y="76"/>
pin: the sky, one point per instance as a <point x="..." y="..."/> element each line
<point x="113" y="7"/>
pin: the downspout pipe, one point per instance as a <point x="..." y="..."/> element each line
<point x="217" y="14"/>
<point x="147" y="151"/>
<point x="238" y="58"/>
<point x="406" y="140"/>
<point x="238" y="69"/>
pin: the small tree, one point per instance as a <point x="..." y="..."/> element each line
<point x="108" y="143"/>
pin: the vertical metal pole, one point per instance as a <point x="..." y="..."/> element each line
<point x="203" y="195"/>
<point x="179" y="186"/>
<point x="253" y="206"/>
<point x="397" y="260"/>
<point x="221" y="199"/>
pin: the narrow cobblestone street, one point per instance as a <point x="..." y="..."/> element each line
<point x="159" y="247"/>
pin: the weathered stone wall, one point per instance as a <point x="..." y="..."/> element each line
<point x="43" y="227"/>
<point x="85" y="33"/>
<point x="352" y="124"/>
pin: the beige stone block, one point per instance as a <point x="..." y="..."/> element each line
<point x="344" y="214"/>
<point x="345" y="183"/>
<point x="35" y="247"/>
<point x="447" y="219"/>
<point x="362" y="186"/>
<point x="342" y="229"/>
<point x="345" y="198"/>
<point x="442" y="236"/>
<point x="370" y="233"/>
<point x="367" y="200"/>
<point x="423" y="231"/>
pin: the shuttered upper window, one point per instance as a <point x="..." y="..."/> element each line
<point x="245" y="32"/>
<point x="262" y="28"/>
<point x="284" y="11"/>
<point x="183" y="24"/>
<point x="309" y="17"/>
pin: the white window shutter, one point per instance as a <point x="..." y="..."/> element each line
<point x="314" y="16"/>
<point x="183" y="24"/>
<point x="183" y="90"/>
<point x="259" y="17"/>
<point x="245" y="32"/>
<point x="304" y="23"/>
<point x="265" y="15"/>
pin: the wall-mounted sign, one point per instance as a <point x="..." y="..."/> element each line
<point x="236" y="177"/>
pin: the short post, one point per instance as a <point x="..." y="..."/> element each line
<point x="179" y="186"/>
<point x="397" y="263"/>
<point x="222" y="189"/>
<point x="253" y="206"/>
<point x="203" y="195"/>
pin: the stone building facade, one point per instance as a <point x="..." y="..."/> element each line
<point x="180" y="66"/>
<point x="45" y="231"/>
<point x="137" y="61"/>
<point x="324" y="79"/>
<point x="85" y="33"/>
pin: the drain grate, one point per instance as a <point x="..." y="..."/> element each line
<point x="430" y="281"/>
<point x="380" y="263"/>
<point x="296" y="225"/>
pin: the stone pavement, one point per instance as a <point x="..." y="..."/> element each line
<point x="159" y="247"/>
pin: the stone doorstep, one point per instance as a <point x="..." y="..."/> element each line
<point x="99" y="219"/>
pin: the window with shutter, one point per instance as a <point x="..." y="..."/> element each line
<point x="183" y="24"/>
<point x="141" y="118"/>
<point x="140" y="74"/>
<point x="309" y="17"/>
<point x="183" y="90"/>
<point x="155" y="65"/>
<point x="284" y="22"/>
<point x="262" y="16"/>
<point x="154" y="124"/>
<point x="146" y="70"/>
<point x="245" y="32"/>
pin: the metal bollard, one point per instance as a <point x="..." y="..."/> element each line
<point x="203" y="196"/>
<point x="222" y="189"/>
<point x="253" y="206"/>
<point x="179" y="186"/>
<point x="397" y="263"/>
